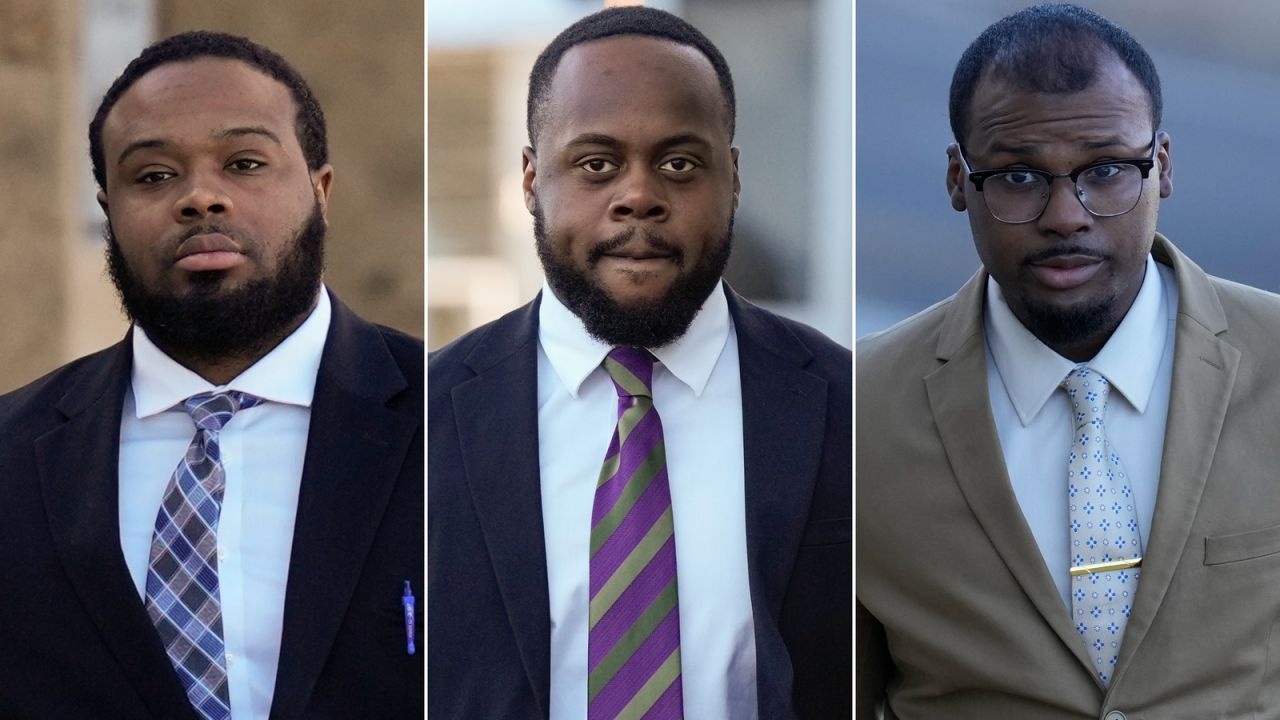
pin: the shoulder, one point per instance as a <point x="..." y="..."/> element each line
<point x="30" y="409"/>
<point x="1244" y="302"/>
<point x="1252" y="324"/>
<point x="910" y="346"/>
<point x="1243" y="316"/>
<point x="487" y="345"/>
<point x="367" y="359"/>
<point x="407" y="350"/>
<point x="779" y="334"/>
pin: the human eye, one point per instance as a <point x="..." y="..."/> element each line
<point x="679" y="165"/>
<point x="152" y="177"/>
<point x="246" y="164"/>
<point x="1104" y="173"/>
<point x="1018" y="180"/>
<point x="598" y="166"/>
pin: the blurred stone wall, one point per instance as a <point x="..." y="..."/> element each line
<point x="38" y="41"/>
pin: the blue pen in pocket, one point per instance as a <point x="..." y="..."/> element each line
<point x="408" y="602"/>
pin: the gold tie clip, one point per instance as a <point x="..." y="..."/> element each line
<point x="1106" y="566"/>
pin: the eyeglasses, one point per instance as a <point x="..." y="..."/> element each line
<point x="1106" y="188"/>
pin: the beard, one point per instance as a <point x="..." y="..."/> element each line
<point x="647" y="324"/>
<point x="209" y="322"/>
<point x="1057" y="326"/>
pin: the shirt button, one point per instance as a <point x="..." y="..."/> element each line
<point x="1115" y="715"/>
<point x="222" y="555"/>
<point x="231" y="660"/>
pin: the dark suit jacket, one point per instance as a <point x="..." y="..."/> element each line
<point x="489" y="633"/>
<point x="75" y="640"/>
<point x="958" y="615"/>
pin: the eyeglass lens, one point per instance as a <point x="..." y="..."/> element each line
<point x="1104" y="190"/>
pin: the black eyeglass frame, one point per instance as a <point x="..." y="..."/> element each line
<point x="1144" y="165"/>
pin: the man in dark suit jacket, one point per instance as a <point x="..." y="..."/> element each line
<point x="632" y="186"/>
<point x="210" y="152"/>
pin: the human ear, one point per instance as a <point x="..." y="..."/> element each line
<point x="956" y="177"/>
<point x="529" y="164"/>
<point x="1165" y="160"/>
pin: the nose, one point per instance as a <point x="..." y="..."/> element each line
<point x="641" y="195"/>
<point x="1064" y="215"/>
<point x="204" y="196"/>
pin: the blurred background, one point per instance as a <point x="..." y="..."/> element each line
<point x="791" y="64"/>
<point x="57" y="57"/>
<point x="1219" y="66"/>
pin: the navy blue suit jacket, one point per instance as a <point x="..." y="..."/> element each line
<point x="75" y="640"/>
<point x="489" y="651"/>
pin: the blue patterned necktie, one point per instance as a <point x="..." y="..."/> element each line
<point x="182" y="577"/>
<point x="1106" y="549"/>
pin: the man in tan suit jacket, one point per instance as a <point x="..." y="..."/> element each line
<point x="962" y="611"/>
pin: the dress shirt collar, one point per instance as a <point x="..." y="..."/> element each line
<point x="574" y="353"/>
<point x="287" y="374"/>
<point x="1031" y="371"/>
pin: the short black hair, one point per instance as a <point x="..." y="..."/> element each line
<point x="612" y="22"/>
<point x="309" y="125"/>
<point x="1055" y="48"/>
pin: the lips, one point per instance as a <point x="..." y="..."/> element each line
<point x="208" y="251"/>
<point x="637" y="246"/>
<point x="1066" y="271"/>
<point x="640" y="255"/>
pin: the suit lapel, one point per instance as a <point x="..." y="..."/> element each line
<point x="355" y="449"/>
<point x="502" y="472"/>
<point x="79" y="468"/>
<point x="956" y="390"/>
<point x="1204" y="371"/>
<point x="783" y="426"/>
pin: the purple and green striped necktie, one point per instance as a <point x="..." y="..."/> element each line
<point x="634" y="639"/>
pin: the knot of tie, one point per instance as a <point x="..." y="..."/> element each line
<point x="631" y="370"/>
<point x="211" y="411"/>
<point x="1088" y="391"/>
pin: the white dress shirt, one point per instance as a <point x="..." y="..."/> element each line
<point x="1033" y="416"/>
<point x="262" y="452"/>
<point x="697" y="393"/>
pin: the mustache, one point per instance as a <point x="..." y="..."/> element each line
<point x="1060" y="251"/>
<point x="652" y="239"/>
<point x="208" y="229"/>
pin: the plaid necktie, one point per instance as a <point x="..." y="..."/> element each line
<point x="182" y="579"/>
<point x="1106" y="549"/>
<point x="634" y="638"/>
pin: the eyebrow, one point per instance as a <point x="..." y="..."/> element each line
<point x="611" y="141"/>
<point x="228" y="134"/>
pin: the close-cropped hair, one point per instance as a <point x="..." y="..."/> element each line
<point x="184" y="47"/>
<point x="613" y="22"/>
<point x="1055" y="48"/>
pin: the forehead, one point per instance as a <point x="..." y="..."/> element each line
<point x="623" y="83"/>
<point x="188" y="99"/>
<point x="1113" y="109"/>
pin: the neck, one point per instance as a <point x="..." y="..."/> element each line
<point x="1082" y="350"/>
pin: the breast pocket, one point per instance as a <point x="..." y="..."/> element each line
<point x="1242" y="546"/>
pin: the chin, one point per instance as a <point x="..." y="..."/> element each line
<point x="631" y="297"/>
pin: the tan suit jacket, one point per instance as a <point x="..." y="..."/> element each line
<point x="957" y="615"/>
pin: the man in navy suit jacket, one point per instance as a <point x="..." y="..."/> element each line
<point x="211" y="157"/>
<point x="632" y="180"/>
